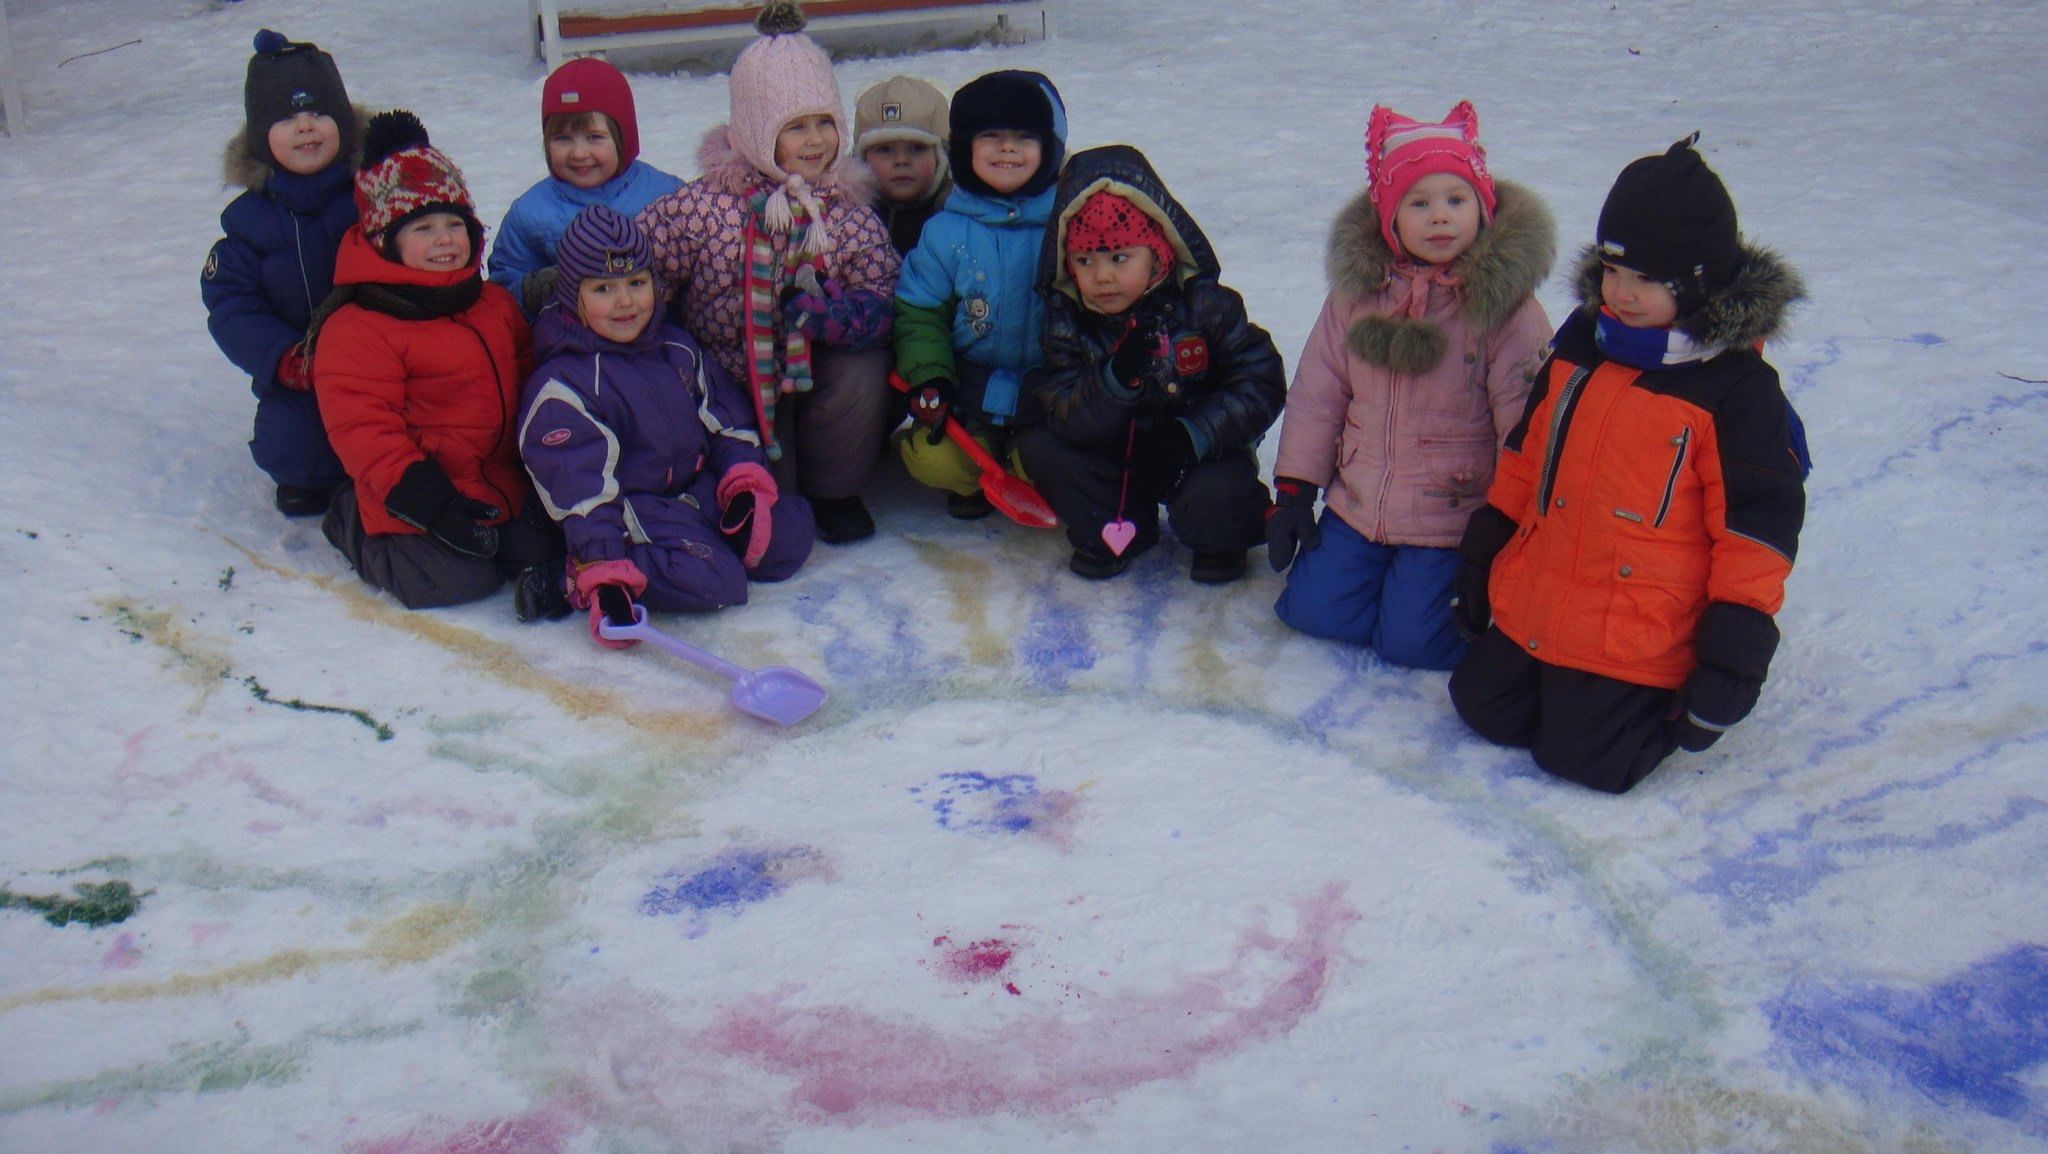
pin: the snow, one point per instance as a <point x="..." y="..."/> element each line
<point x="1059" y="866"/>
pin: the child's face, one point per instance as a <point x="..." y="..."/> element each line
<point x="1438" y="218"/>
<point x="1005" y="159"/>
<point x="306" y="143"/>
<point x="584" y="157"/>
<point x="435" y="242"/>
<point x="807" y="146"/>
<point x="905" y="169"/>
<point x="1640" y="302"/>
<point x="1110" y="282"/>
<point x="617" y="308"/>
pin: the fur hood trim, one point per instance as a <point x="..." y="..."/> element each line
<point x="1503" y="268"/>
<point x="240" y="170"/>
<point x="723" y="169"/>
<point x="1751" y="310"/>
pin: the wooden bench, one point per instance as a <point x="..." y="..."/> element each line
<point x="558" y="35"/>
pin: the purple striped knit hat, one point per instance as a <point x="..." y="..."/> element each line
<point x="600" y="243"/>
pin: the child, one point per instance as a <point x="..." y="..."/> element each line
<point x="968" y="317"/>
<point x="784" y="273"/>
<point x="661" y="490"/>
<point x="899" y="129"/>
<point x="419" y="363"/>
<point x="1417" y="367"/>
<point x="1157" y="387"/>
<point x="1647" y="509"/>
<point x="592" y="139"/>
<point x="266" y="277"/>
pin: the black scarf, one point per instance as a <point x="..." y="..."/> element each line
<point x="407" y="302"/>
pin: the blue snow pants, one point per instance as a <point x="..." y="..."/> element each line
<point x="290" y="443"/>
<point x="1394" y="598"/>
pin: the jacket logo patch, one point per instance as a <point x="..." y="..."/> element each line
<point x="1190" y="355"/>
<point x="977" y="310"/>
<point x="892" y="113"/>
<point x="555" y="437"/>
<point x="212" y="263"/>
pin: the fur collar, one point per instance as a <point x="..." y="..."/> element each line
<point x="238" y="169"/>
<point x="1502" y="269"/>
<point x="1749" y="311"/>
<point x="722" y="169"/>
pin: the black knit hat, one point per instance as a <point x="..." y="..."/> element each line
<point x="286" y="78"/>
<point x="1016" y="100"/>
<point x="1670" y="218"/>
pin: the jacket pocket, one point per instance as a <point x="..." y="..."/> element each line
<point x="1680" y="445"/>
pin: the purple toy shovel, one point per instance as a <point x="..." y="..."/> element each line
<point x="774" y="693"/>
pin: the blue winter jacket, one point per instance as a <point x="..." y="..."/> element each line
<point x="606" y="427"/>
<point x="978" y="257"/>
<point x="275" y="265"/>
<point x="535" y="222"/>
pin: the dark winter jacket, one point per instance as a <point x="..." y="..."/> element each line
<point x="604" y="425"/>
<point x="393" y="391"/>
<point x="267" y="275"/>
<point x="1224" y="381"/>
<point x="905" y="222"/>
<point x="1643" y="521"/>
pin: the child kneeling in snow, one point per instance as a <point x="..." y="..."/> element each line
<point x="1156" y="385"/>
<point x="1645" y="513"/>
<point x="642" y="447"/>
<point x="418" y="363"/>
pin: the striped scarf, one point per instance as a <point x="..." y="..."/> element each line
<point x="778" y="356"/>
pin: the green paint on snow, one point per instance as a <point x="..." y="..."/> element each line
<point x="262" y="694"/>
<point x="97" y="904"/>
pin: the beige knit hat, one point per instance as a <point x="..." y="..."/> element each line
<point x="900" y="108"/>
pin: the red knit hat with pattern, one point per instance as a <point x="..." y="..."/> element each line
<point x="1106" y="222"/>
<point x="587" y="84"/>
<point x="404" y="176"/>
<point x="1400" y="151"/>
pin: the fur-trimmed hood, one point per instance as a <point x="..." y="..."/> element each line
<point x="723" y="169"/>
<point x="1503" y="268"/>
<point x="1751" y="310"/>
<point x="240" y="169"/>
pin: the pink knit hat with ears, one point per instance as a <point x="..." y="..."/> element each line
<point x="1400" y="151"/>
<point x="780" y="77"/>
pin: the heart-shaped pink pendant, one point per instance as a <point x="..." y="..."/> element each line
<point x="1118" y="535"/>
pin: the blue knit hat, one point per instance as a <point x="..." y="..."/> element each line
<point x="599" y="243"/>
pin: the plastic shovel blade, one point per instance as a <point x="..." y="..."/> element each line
<point x="774" y="693"/>
<point x="1012" y="496"/>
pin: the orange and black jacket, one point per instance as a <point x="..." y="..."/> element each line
<point x="1642" y="522"/>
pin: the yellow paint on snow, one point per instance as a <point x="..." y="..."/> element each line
<point x="968" y="578"/>
<point x="417" y="936"/>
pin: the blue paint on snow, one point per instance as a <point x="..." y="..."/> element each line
<point x="1056" y="644"/>
<point x="1966" y="1042"/>
<point x="735" y="878"/>
<point x="980" y="803"/>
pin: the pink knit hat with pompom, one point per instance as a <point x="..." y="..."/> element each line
<point x="780" y="77"/>
<point x="1400" y="151"/>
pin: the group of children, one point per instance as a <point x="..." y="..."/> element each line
<point x="667" y="388"/>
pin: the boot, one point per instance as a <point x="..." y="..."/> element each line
<point x="842" y="519"/>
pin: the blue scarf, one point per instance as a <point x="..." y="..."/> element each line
<point x="1645" y="348"/>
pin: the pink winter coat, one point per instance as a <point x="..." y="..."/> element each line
<point x="1399" y="417"/>
<point x="699" y="232"/>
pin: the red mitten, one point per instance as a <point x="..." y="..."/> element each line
<point x="745" y="495"/>
<point x="294" y="371"/>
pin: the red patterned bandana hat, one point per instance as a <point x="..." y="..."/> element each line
<point x="403" y="176"/>
<point x="1400" y="151"/>
<point x="1106" y="222"/>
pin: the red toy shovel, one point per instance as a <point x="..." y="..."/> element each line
<point x="1012" y="496"/>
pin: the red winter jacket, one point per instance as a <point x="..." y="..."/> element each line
<point x="394" y="391"/>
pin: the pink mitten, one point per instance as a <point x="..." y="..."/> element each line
<point x="597" y="582"/>
<point x="745" y="495"/>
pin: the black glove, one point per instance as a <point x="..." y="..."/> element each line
<point x="1163" y="457"/>
<point x="929" y="407"/>
<point x="537" y="288"/>
<point x="428" y="501"/>
<point x="1734" y="644"/>
<point x="736" y="524"/>
<point x="1471" y="611"/>
<point x="1138" y="353"/>
<point x="1291" y="522"/>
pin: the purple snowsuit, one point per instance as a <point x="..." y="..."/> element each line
<point x="627" y="444"/>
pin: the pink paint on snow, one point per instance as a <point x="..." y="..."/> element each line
<point x="122" y="955"/>
<point x="854" y="1068"/>
<point x="977" y="961"/>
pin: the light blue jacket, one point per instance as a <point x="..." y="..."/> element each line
<point x="979" y="255"/>
<point x="535" y="222"/>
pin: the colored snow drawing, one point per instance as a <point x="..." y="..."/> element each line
<point x="734" y="880"/>
<point x="1971" y="1041"/>
<point x="854" y="1067"/>
<point x="1008" y="803"/>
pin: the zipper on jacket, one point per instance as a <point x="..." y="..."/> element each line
<point x="1560" y="419"/>
<point x="1379" y="516"/>
<point x="299" y="246"/>
<point x="505" y="432"/>
<point x="1681" y="442"/>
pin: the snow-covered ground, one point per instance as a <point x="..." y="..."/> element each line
<point x="1061" y="866"/>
